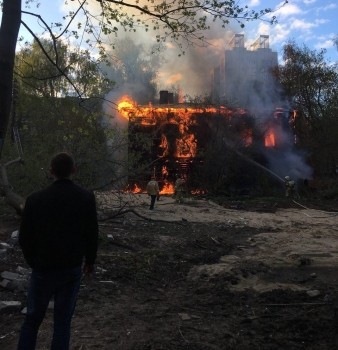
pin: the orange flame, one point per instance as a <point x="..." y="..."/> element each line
<point x="164" y="146"/>
<point x="186" y="146"/>
<point x="168" y="188"/>
<point x="165" y="171"/>
<point x="135" y="189"/>
<point x="125" y="105"/>
<point x="270" y="140"/>
<point x="148" y="114"/>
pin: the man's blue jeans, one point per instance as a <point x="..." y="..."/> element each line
<point x="64" y="286"/>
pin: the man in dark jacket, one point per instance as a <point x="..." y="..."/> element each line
<point x="58" y="235"/>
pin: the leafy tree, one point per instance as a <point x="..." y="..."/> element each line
<point x="48" y="125"/>
<point x="50" y="118"/>
<point x="311" y="84"/>
<point x="36" y="70"/>
<point x="39" y="75"/>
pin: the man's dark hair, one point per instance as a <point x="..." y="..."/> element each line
<point x="62" y="165"/>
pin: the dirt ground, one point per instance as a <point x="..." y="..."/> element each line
<point x="236" y="275"/>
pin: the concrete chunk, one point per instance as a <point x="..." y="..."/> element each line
<point x="4" y="245"/>
<point x="7" y="275"/>
<point x="4" y="283"/>
<point x="9" y="306"/>
<point x="23" y="271"/>
<point x="15" y="234"/>
<point x="3" y="251"/>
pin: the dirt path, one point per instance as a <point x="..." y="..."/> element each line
<point x="202" y="276"/>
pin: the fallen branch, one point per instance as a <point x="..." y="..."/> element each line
<point x="123" y="212"/>
<point x="298" y="304"/>
<point x="179" y="329"/>
<point x="198" y="244"/>
<point x="215" y="241"/>
<point x="122" y="245"/>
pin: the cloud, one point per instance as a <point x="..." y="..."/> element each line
<point x="300" y="20"/>
<point x="328" y="7"/>
<point x="300" y="24"/>
<point x="281" y="33"/>
<point x="253" y="3"/>
<point x="288" y="10"/>
<point x="325" y="42"/>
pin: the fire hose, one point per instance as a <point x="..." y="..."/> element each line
<point x="330" y="213"/>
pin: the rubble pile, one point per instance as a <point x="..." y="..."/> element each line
<point x="13" y="282"/>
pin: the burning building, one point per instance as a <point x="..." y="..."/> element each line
<point x="172" y="137"/>
<point x="179" y="135"/>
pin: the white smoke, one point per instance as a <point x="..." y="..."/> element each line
<point x="117" y="137"/>
<point x="192" y="73"/>
<point x="289" y="163"/>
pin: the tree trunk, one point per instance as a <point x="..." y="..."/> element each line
<point x="12" y="199"/>
<point x="9" y="30"/>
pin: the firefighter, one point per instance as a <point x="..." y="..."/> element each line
<point x="179" y="189"/>
<point x="290" y="187"/>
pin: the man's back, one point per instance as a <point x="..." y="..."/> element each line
<point x="58" y="232"/>
<point x="59" y="226"/>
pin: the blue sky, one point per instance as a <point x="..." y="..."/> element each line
<point x="309" y="22"/>
<point x="312" y="22"/>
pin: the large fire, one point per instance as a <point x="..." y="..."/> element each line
<point x="180" y="133"/>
